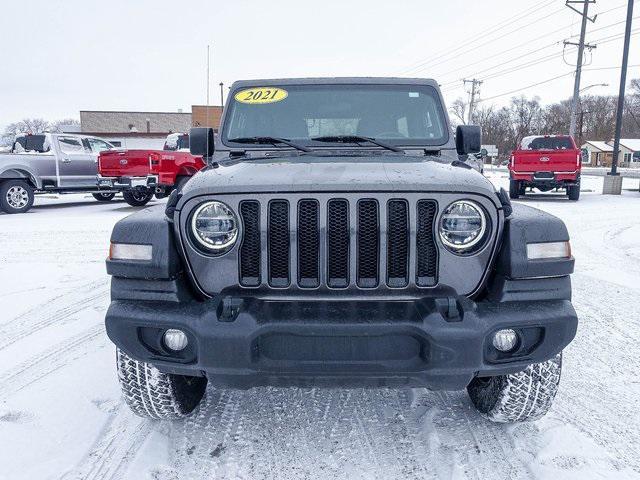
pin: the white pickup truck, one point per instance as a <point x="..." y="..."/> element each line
<point x="50" y="162"/>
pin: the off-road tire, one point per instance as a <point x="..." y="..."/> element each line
<point x="153" y="394"/>
<point x="137" y="198"/>
<point x="517" y="397"/>
<point x="103" y="197"/>
<point x="573" y="192"/>
<point x="514" y="189"/>
<point x="21" y="193"/>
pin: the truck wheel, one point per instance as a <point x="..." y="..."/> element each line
<point x="103" y="197"/>
<point x="16" y="196"/>
<point x="514" y="189"/>
<point x="137" y="198"/>
<point x="573" y="191"/>
<point x="526" y="395"/>
<point x="153" y="394"/>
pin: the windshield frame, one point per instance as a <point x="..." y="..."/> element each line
<point x="417" y="144"/>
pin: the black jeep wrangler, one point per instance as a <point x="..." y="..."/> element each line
<point x="336" y="239"/>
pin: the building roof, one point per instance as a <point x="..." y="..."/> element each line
<point x="602" y="146"/>
<point x="100" y="121"/>
<point x="632" y="144"/>
<point x="129" y="134"/>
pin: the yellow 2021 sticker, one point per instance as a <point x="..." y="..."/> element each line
<point x="258" y="95"/>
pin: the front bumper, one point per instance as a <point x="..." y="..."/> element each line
<point x="127" y="183"/>
<point x="245" y="342"/>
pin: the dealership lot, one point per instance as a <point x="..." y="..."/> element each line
<point x="61" y="415"/>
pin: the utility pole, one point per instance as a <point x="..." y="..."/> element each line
<point x="475" y="92"/>
<point x="582" y="112"/>
<point x="581" y="46"/>
<point x="208" y="82"/>
<point x="614" y="179"/>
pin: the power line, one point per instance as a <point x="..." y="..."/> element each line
<point x="516" y="30"/>
<point x="531" y="52"/>
<point x="602" y="40"/>
<point x="547" y="81"/>
<point x="473" y="39"/>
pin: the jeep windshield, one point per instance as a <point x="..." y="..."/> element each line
<point x="336" y="115"/>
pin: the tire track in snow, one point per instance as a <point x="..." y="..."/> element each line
<point x="607" y="339"/>
<point x="51" y="360"/>
<point x="56" y="310"/>
<point x="358" y="434"/>
<point x="114" y="449"/>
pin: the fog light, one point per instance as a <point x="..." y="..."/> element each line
<point x="505" y="340"/>
<point x="175" y="340"/>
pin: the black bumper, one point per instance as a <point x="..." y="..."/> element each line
<point x="434" y="343"/>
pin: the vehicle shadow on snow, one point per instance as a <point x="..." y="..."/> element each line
<point x="544" y="197"/>
<point x="360" y="433"/>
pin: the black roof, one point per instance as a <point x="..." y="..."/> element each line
<point x="335" y="80"/>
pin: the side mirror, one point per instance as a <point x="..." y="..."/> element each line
<point x="468" y="139"/>
<point x="201" y="142"/>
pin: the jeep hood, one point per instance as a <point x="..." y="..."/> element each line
<point x="336" y="174"/>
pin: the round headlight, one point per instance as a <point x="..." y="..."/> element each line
<point x="462" y="226"/>
<point x="215" y="226"/>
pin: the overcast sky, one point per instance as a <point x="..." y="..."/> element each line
<point x="59" y="57"/>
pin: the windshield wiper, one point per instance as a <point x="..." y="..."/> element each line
<point x="270" y="140"/>
<point x="356" y="139"/>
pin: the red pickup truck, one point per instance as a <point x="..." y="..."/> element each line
<point x="545" y="162"/>
<point x="141" y="173"/>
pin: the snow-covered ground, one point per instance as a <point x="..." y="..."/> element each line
<point x="61" y="415"/>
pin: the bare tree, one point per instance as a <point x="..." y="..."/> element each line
<point x="459" y="109"/>
<point x="59" y="124"/>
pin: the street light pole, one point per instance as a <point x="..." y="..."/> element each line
<point x="613" y="181"/>
<point x="221" y="94"/>
<point x="623" y="82"/>
<point x="208" y="61"/>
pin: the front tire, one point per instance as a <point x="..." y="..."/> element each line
<point x="16" y="196"/>
<point x="137" y="198"/>
<point x="514" y="189"/>
<point x="103" y="197"/>
<point x="517" y="397"/>
<point x="150" y="393"/>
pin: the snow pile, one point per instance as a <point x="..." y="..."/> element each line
<point x="61" y="415"/>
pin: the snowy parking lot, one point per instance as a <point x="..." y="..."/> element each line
<point x="61" y="415"/>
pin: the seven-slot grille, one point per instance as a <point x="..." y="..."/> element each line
<point x="367" y="243"/>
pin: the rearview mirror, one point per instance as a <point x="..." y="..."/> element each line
<point x="468" y="139"/>
<point x="201" y="142"/>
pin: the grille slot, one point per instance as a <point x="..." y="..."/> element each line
<point x="308" y="243"/>
<point x="279" y="243"/>
<point x="368" y="243"/>
<point x="250" y="251"/>
<point x="338" y="239"/>
<point x="397" y="243"/>
<point x="426" y="251"/>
